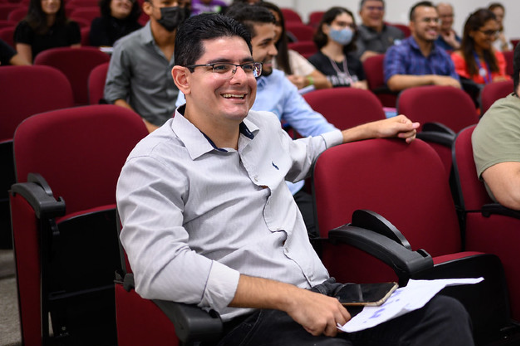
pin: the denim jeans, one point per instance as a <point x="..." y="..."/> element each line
<point x="443" y="321"/>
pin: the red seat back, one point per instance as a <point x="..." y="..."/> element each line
<point x="305" y="48"/>
<point x="300" y="31"/>
<point x="375" y="77"/>
<point x="346" y="107"/>
<point x="6" y="35"/>
<point x="449" y="106"/>
<point x="291" y="15"/>
<point x="32" y="89"/>
<point x="494" y="91"/>
<point x="76" y="64"/>
<point x="96" y="83"/>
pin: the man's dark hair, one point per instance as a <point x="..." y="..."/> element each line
<point x="249" y="15"/>
<point x="516" y="67"/>
<point x="206" y="26"/>
<point x="362" y="2"/>
<point x="420" y="4"/>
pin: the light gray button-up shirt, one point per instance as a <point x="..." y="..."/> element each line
<point x="140" y="74"/>
<point x="195" y="217"/>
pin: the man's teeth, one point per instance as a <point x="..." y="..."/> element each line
<point x="241" y="96"/>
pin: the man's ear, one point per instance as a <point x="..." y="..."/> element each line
<point x="147" y="7"/>
<point x="180" y="77"/>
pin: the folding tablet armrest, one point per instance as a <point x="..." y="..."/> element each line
<point x="437" y="133"/>
<point x="499" y="209"/>
<point x="191" y="323"/>
<point x="39" y="195"/>
<point x="386" y="245"/>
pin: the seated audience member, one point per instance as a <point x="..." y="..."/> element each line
<point x="374" y="36"/>
<point x="277" y="94"/>
<point x="118" y="19"/>
<point x="501" y="42"/>
<point x="335" y="38"/>
<point x="496" y="140"/>
<point x="477" y="59"/>
<point x="8" y="56"/>
<point x="297" y="68"/>
<point x="207" y="6"/>
<point x="203" y="198"/>
<point x="448" y="38"/>
<point x="138" y="75"/>
<point x="44" y="27"/>
<point x="417" y="60"/>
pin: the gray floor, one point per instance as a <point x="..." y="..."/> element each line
<point x="9" y="323"/>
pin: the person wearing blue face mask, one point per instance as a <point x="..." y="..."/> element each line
<point x="336" y="59"/>
<point x="139" y="73"/>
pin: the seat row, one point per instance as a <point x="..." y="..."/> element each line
<point x="67" y="164"/>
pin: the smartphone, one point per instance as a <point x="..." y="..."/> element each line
<point x="365" y="294"/>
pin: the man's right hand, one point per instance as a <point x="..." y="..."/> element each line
<point x="317" y="313"/>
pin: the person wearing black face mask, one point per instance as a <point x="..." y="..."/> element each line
<point x="139" y="73"/>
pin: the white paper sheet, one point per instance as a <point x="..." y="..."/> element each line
<point x="412" y="297"/>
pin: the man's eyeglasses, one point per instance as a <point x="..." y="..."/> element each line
<point x="429" y="20"/>
<point x="375" y="8"/>
<point x="228" y="69"/>
<point x="490" y="32"/>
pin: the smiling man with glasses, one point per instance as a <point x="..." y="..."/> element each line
<point x="374" y="36"/>
<point x="418" y="60"/>
<point x="203" y="199"/>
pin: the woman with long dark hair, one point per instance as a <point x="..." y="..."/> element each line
<point x="296" y="67"/>
<point x="118" y="19"/>
<point x="44" y="27"/>
<point x="336" y="59"/>
<point x="477" y="59"/>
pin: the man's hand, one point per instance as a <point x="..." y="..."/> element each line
<point x="299" y="81"/>
<point x="317" y="313"/>
<point x="451" y="39"/>
<point x="399" y="126"/>
<point x="445" y="80"/>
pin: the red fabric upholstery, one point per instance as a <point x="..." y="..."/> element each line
<point x="90" y="134"/>
<point x="346" y="107"/>
<point x="305" y="48"/>
<point x="32" y="89"/>
<point x="315" y="18"/>
<point x="85" y="39"/>
<point x="374" y="74"/>
<point x="6" y="35"/>
<point x="443" y="104"/>
<point x="494" y="91"/>
<point x="80" y="152"/>
<point x="76" y="64"/>
<point x="301" y="31"/>
<point x="403" y="27"/>
<point x="496" y="234"/>
<point x="140" y="321"/>
<point x="508" y="55"/>
<point x="87" y="13"/>
<point x="4" y="23"/>
<point x="291" y="15"/>
<point x="6" y="8"/>
<point x="96" y="83"/>
<point x="17" y="14"/>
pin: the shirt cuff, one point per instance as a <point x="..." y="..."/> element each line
<point x="221" y="287"/>
<point x="332" y="138"/>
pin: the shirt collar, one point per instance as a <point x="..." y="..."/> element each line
<point x="196" y="142"/>
<point x="415" y="46"/>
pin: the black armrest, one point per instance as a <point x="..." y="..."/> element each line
<point x="499" y="209"/>
<point x="437" y="133"/>
<point x="39" y="195"/>
<point x="385" y="245"/>
<point x="191" y="322"/>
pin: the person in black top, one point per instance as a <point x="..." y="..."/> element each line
<point x="44" y="27"/>
<point x="8" y="56"/>
<point x="336" y="59"/>
<point x="118" y="18"/>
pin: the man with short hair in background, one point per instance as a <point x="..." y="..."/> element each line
<point x="418" y="60"/>
<point x="448" y="38"/>
<point x="374" y="36"/>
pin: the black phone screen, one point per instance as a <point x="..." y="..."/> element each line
<point x="365" y="294"/>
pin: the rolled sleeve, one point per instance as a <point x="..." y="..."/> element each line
<point x="221" y="287"/>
